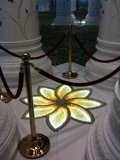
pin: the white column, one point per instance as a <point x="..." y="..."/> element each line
<point x="43" y="5"/>
<point x="103" y="142"/>
<point x="73" y="8"/>
<point x="73" y="5"/>
<point x="108" y="46"/>
<point x="93" y="15"/>
<point x="20" y="33"/>
<point x="63" y="13"/>
<point x="9" y="133"/>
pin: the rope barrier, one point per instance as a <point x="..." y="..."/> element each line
<point x="41" y="56"/>
<point x="20" y="84"/>
<point x="74" y="83"/>
<point x="51" y="50"/>
<point x="21" y="73"/>
<point x="9" y="52"/>
<point x="90" y="56"/>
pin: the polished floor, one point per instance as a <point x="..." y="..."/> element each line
<point x="68" y="143"/>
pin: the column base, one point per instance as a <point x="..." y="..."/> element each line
<point x="11" y="65"/>
<point x="9" y="133"/>
<point x="103" y="143"/>
<point x="92" y="21"/>
<point x="96" y="70"/>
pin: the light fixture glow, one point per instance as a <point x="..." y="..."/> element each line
<point x="62" y="104"/>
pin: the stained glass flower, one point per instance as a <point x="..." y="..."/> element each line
<point x="62" y="104"/>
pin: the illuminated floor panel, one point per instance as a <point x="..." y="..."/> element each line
<point x="74" y="134"/>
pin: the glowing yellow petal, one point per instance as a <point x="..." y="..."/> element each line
<point x="63" y="90"/>
<point x="58" y="119"/>
<point x="78" y="94"/>
<point x="61" y="104"/>
<point x="39" y="100"/>
<point x="87" y="103"/>
<point x="40" y="111"/>
<point x="80" y="114"/>
<point x="48" y="93"/>
<point x="24" y="100"/>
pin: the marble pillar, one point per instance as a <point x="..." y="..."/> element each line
<point x="108" y="45"/>
<point x="43" y="5"/>
<point x="73" y="5"/>
<point x="73" y="8"/>
<point x="9" y="133"/>
<point x="20" y="33"/>
<point x="103" y="141"/>
<point x="93" y="16"/>
<point x="64" y="15"/>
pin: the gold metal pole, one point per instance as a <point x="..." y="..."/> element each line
<point x="70" y="74"/>
<point x="4" y="96"/>
<point x="70" y="50"/>
<point x="35" y="145"/>
<point x="26" y="66"/>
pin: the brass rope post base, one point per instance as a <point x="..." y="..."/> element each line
<point x="70" y="74"/>
<point x="35" y="145"/>
<point x="5" y="97"/>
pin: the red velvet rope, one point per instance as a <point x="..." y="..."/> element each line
<point x="62" y="38"/>
<point x="51" y="50"/>
<point x="90" y="56"/>
<point x="11" y="53"/>
<point x="79" y="84"/>
<point x="20" y="85"/>
<point x="41" y="56"/>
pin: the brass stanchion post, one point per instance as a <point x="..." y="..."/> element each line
<point x="70" y="74"/>
<point x="5" y="97"/>
<point x="35" y="145"/>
